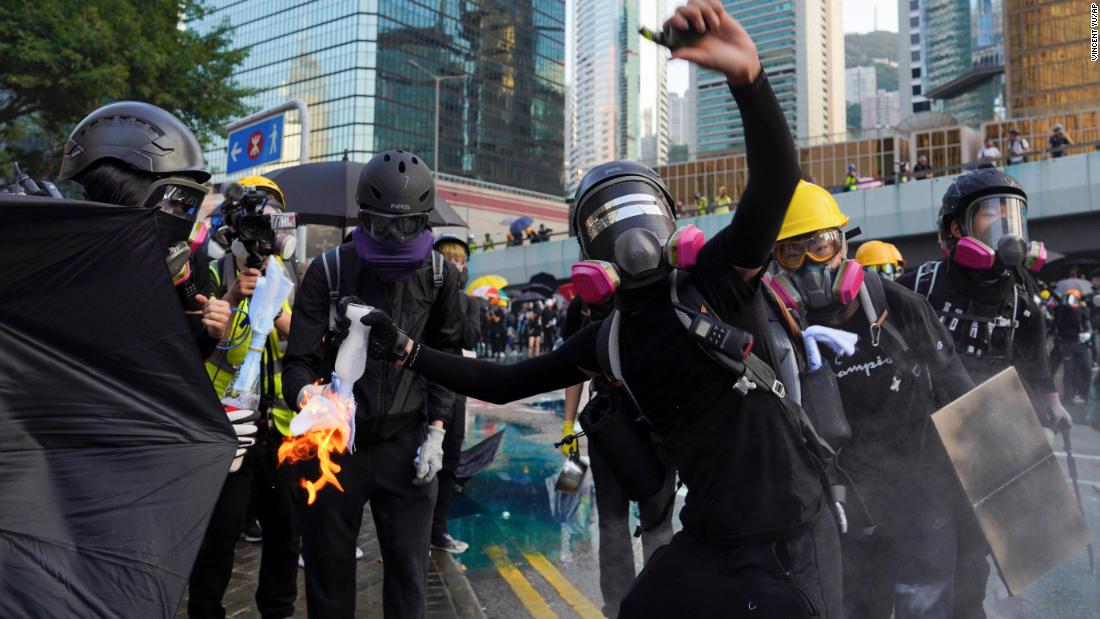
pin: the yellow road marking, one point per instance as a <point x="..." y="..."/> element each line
<point x="569" y="593"/>
<point x="526" y="593"/>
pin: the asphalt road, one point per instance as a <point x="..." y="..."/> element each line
<point x="528" y="559"/>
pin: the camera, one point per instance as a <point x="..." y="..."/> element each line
<point x="245" y="222"/>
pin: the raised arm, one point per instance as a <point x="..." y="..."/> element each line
<point x="726" y="47"/>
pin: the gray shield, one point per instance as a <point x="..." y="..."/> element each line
<point x="1012" y="480"/>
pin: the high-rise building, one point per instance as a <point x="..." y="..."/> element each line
<point x="801" y="45"/>
<point x="964" y="57"/>
<point x="911" y="66"/>
<point x="350" y="62"/>
<point x="1049" y="68"/>
<point x="675" y="118"/>
<point x="859" y="82"/>
<point x="620" y="91"/>
<point x="879" y="111"/>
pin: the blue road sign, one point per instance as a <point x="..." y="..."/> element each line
<point x="255" y="145"/>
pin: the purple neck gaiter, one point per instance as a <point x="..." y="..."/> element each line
<point x="392" y="260"/>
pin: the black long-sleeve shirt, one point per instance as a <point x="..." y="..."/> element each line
<point x="748" y="472"/>
<point x="388" y="399"/>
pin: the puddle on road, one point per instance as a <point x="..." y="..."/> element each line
<point x="508" y="503"/>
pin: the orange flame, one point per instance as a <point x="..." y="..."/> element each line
<point x="321" y="443"/>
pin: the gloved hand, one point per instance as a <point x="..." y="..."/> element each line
<point x="387" y="342"/>
<point x="841" y="342"/>
<point x="342" y="322"/>
<point x="1060" y="420"/>
<point x="244" y="423"/>
<point x="429" y="457"/>
<point x="1084" y="337"/>
<point x="566" y="430"/>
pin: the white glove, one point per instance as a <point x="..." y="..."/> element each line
<point x="1084" y="337"/>
<point x="244" y="423"/>
<point x="841" y="342"/>
<point x="429" y="456"/>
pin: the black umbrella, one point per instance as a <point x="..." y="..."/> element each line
<point x="113" y="447"/>
<point x="474" y="460"/>
<point x="529" y="296"/>
<point x="324" y="193"/>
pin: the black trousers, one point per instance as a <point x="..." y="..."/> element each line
<point x="617" y="570"/>
<point x="270" y="486"/>
<point x="452" y="451"/>
<point x="1078" y="369"/>
<point x="791" y="578"/>
<point x="907" y="569"/>
<point x="381" y="473"/>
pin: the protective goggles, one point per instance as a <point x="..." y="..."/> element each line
<point x="175" y="196"/>
<point x="403" y="227"/>
<point x="621" y="209"/>
<point x="821" y="246"/>
<point x="991" y="218"/>
<point x="888" y="269"/>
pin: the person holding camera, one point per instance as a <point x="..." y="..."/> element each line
<point x="250" y="215"/>
<point x="400" y="417"/>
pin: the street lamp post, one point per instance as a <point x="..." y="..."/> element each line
<point x="438" y="80"/>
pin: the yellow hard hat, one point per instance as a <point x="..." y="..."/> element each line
<point x="875" y="254"/>
<point x="263" y="182"/>
<point x="811" y="209"/>
<point x="897" y="254"/>
<point x="1045" y="294"/>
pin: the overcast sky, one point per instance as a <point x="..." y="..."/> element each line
<point x="859" y="16"/>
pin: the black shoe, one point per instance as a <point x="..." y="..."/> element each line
<point x="252" y="532"/>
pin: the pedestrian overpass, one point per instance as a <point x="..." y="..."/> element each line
<point x="1063" y="212"/>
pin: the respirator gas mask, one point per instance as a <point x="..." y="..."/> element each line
<point x="627" y="241"/>
<point x="806" y="281"/>
<point x="177" y="202"/>
<point x="994" y="230"/>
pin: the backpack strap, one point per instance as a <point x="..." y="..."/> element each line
<point x="608" y="354"/>
<point x="331" y="261"/>
<point x="877" y="308"/>
<point x="437" y="269"/>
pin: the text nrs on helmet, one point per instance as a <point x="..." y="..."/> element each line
<point x="989" y="210"/>
<point x="627" y="231"/>
<point x="811" y="238"/>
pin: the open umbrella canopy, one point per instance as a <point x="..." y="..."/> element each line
<point x="113" y="446"/>
<point x="474" y="460"/>
<point x="324" y="193"/>
<point x="493" y="281"/>
<point x="486" y="292"/>
<point x="1083" y="286"/>
<point x="519" y="225"/>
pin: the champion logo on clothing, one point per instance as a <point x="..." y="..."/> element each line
<point x="861" y="368"/>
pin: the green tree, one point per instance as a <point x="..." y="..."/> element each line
<point x="64" y="58"/>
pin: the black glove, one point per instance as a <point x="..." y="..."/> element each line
<point x="387" y="342"/>
<point x="342" y="322"/>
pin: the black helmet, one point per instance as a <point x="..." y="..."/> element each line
<point x="610" y="188"/>
<point x="966" y="189"/>
<point x="141" y="136"/>
<point x="396" y="182"/>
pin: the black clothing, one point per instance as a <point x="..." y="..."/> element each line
<point x="966" y="307"/>
<point x="616" y="541"/>
<point x="889" y="401"/>
<point x="381" y="473"/>
<point x="906" y="568"/>
<point x="749" y="474"/>
<point x="389" y="399"/>
<point x="271" y="485"/>
<point x="921" y="171"/>
<point x="456" y="428"/>
<point x="1058" y="144"/>
<point x="786" y="578"/>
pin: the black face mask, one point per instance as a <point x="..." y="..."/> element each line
<point x="172" y="229"/>
<point x="463" y="277"/>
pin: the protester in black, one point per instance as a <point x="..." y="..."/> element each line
<point x="757" y="532"/>
<point x="991" y="307"/>
<point x="1073" y="327"/>
<point x="616" y="552"/>
<point x="900" y="556"/>
<point x="388" y="264"/>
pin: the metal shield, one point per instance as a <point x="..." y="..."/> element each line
<point x="1012" y="480"/>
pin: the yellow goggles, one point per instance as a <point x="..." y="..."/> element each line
<point x="820" y="246"/>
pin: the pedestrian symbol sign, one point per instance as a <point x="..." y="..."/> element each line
<point x="255" y="145"/>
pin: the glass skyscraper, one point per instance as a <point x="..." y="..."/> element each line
<point x="964" y="57"/>
<point x="801" y="45"/>
<point x="349" y="61"/>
